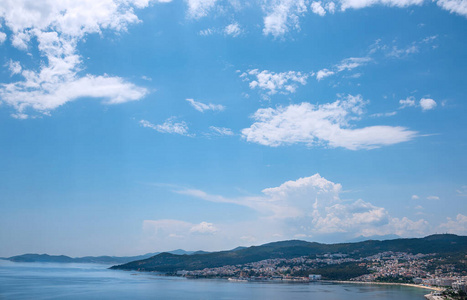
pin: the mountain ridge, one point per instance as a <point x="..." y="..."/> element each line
<point x="166" y="262"/>
<point x="104" y="259"/>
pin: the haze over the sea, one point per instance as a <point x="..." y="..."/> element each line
<point x="129" y="127"/>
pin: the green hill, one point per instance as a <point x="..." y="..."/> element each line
<point x="166" y="262"/>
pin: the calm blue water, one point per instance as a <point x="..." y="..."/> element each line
<point x="91" y="281"/>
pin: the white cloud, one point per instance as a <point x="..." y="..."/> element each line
<point x="317" y="8"/>
<point x="221" y="131"/>
<point x="200" y="8"/>
<point x="347" y="64"/>
<point x="388" y="114"/>
<point x="202" y="107"/>
<point x="415" y="197"/>
<point x="203" y="228"/>
<point x="311" y="206"/>
<point x="357" y="4"/>
<point x="403" y="227"/>
<point x="44" y="96"/>
<point x="427" y="104"/>
<point x="352" y="63"/>
<point x="432" y="198"/>
<point x="424" y="103"/>
<point x="281" y="15"/>
<point x="14" y="67"/>
<point x="284" y="82"/>
<point x="169" y="126"/>
<point x="233" y="30"/>
<point x="454" y="6"/>
<point x="457" y="226"/>
<point x="207" y="32"/>
<point x="408" y="102"/>
<point x="2" y="37"/>
<point x="331" y="7"/>
<point x="321" y="125"/>
<point x="400" y="53"/>
<point x="58" y="26"/>
<point x="323" y="73"/>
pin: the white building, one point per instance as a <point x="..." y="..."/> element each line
<point x="314" y="277"/>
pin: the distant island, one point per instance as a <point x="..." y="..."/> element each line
<point x="110" y="260"/>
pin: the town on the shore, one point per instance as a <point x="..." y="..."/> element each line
<point x="424" y="270"/>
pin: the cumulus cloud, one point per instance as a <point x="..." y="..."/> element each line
<point x="58" y="26"/>
<point x="317" y="8"/>
<point x="169" y="126"/>
<point x="408" y="102"/>
<point x="203" y="228"/>
<point x="282" y="15"/>
<point x="457" y="226"/>
<point x="311" y="206"/>
<point x="233" y="29"/>
<point x="454" y="6"/>
<point x="200" y="8"/>
<point x="331" y="7"/>
<point x="432" y="198"/>
<point x="14" y="67"/>
<point x="271" y="82"/>
<point x="322" y="125"/>
<point x="415" y="197"/>
<point x="427" y="104"/>
<point x="202" y="107"/>
<point x="424" y="103"/>
<point x="323" y="73"/>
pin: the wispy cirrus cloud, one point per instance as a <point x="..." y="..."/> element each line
<point x="220" y="131"/>
<point x="347" y="64"/>
<point x="202" y="107"/>
<point x="376" y="51"/>
<point x="169" y="126"/>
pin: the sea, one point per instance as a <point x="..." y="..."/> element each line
<point x="95" y="281"/>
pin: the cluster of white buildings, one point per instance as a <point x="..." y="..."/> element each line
<point x="385" y="266"/>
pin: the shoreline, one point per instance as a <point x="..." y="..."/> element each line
<point x="387" y="283"/>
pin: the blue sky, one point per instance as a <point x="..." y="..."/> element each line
<point x="129" y="127"/>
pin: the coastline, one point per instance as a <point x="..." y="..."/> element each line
<point x="387" y="283"/>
